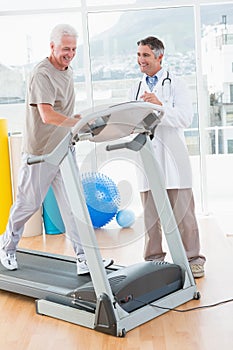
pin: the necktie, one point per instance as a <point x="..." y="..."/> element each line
<point x="151" y="82"/>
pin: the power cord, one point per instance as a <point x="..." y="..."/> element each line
<point x="187" y="310"/>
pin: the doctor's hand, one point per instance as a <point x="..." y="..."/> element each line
<point x="151" y="97"/>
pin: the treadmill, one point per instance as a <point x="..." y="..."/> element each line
<point x="120" y="298"/>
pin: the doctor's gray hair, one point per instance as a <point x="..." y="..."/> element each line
<point x="60" y="30"/>
<point x="154" y="44"/>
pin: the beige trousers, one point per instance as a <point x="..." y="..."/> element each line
<point x="182" y="203"/>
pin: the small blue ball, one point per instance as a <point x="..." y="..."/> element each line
<point x="125" y="218"/>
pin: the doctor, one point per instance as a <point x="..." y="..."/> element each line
<point x="163" y="88"/>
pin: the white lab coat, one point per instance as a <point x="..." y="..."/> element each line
<point x="169" y="141"/>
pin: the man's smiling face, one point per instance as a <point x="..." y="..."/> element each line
<point x="62" y="54"/>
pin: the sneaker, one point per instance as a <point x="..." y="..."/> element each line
<point x="197" y="270"/>
<point x="83" y="269"/>
<point x="8" y="260"/>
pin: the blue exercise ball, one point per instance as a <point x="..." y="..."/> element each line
<point x="125" y="218"/>
<point x="102" y="198"/>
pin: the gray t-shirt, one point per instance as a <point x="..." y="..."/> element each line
<point x="52" y="86"/>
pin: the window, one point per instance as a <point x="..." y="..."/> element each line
<point x="106" y="66"/>
<point x="230" y="146"/>
<point x="21" y="5"/>
<point x="231" y="93"/>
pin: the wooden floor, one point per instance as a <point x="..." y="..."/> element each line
<point x="206" y="329"/>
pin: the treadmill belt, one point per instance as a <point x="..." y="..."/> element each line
<point x="41" y="273"/>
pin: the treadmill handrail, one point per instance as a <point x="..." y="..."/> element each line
<point x="105" y="118"/>
<point x="128" y="117"/>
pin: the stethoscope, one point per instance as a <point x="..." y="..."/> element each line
<point x="166" y="88"/>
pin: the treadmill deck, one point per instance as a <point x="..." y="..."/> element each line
<point x="40" y="275"/>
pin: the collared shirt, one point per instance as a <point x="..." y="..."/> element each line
<point x="152" y="81"/>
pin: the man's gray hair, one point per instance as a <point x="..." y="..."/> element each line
<point x="60" y="30"/>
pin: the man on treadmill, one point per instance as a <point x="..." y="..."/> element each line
<point x="49" y="117"/>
